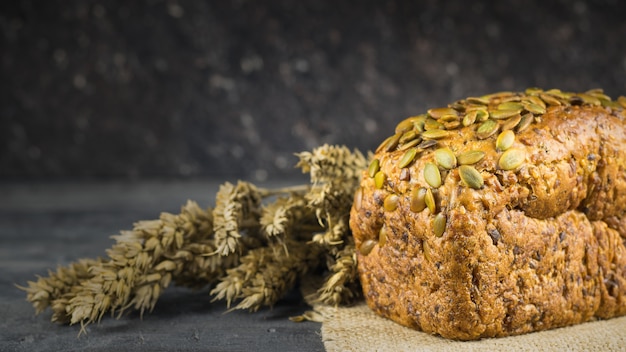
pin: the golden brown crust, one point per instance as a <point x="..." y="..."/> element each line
<point x="536" y="247"/>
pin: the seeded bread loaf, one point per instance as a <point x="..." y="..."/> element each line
<point x="498" y="215"/>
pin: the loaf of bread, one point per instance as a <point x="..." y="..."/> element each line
<point x="497" y="215"/>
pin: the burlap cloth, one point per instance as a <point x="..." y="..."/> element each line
<point x="357" y="328"/>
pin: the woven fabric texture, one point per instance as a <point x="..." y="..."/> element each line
<point x="357" y="328"/>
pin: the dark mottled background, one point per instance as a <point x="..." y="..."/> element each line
<point x="201" y="89"/>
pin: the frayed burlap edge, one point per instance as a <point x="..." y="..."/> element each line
<point x="357" y="328"/>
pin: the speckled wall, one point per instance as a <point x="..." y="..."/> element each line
<point x="231" y="89"/>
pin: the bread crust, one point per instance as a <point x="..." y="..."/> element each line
<point x="538" y="247"/>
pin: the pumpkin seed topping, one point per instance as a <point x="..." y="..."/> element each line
<point x="405" y="125"/>
<point x="471" y="177"/>
<point x="367" y="246"/>
<point x="470" y="118"/>
<point x="439" y="112"/>
<point x="504" y="114"/>
<point x="550" y="100"/>
<point x="432" y="175"/>
<point x="470" y="157"/>
<point x="407" y="158"/>
<point x="429" y="200"/>
<point x="534" y="108"/>
<point x="590" y="99"/>
<point x="418" y="202"/>
<point x="482" y="115"/>
<point x="390" y="143"/>
<point x="358" y="198"/>
<point x="382" y="236"/>
<point x="511" y="123"/>
<point x="391" y="202"/>
<point x="408" y="136"/>
<point x="373" y="168"/>
<point x="435" y="134"/>
<point x="505" y="140"/>
<point x="379" y="179"/>
<point x="439" y="224"/>
<point x="427" y="144"/>
<point x="431" y="124"/>
<point x="445" y="158"/>
<point x="524" y="122"/>
<point x="410" y="144"/>
<point x="478" y="100"/>
<point x="510" y="105"/>
<point x="512" y="159"/>
<point x="533" y="99"/>
<point x="487" y="129"/>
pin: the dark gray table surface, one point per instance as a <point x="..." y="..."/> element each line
<point x="48" y="224"/>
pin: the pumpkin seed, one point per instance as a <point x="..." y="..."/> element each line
<point x="448" y="118"/>
<point x="595" y="91"/>
<point x="482" y="115"/>
<point x="511" y="123"/>
<point x="534" y="108"/>
<point x="382" y="236"/>
<point x="445" y="158"/>
<point x="407" y="158"/>
<point x="439" y="112"/>
<point x="373" y="168"/>
<point x="470" y="157"/>
<point x="390" y="143"/>
<point x="550" y="100"/>
<point x="417" y="199"/>
<point x="429" y="200"/>
<point x="408" y="136"/>
<point x="406" y="125"/>
<point x="358" y="198"/>
<point x="439" y="224"/>
<point x="589" y="99"/>
<point x="503" y="114"/>
<point x="487" y="129"/>
<point x="610" y="104"/>
<point x="458" y="105"/>
<point x="524" y="122"/>
<point x="535" y="100"/>
<point x="426" y="249"/>
<point x="511" y="98"/>
<point x="498" y="95"/>
<point x="427" y="144"/>
<point x="470" y="118"/>
<point x="366" y="247"/>
<point x="598" y="93"/>
<point x="418" y="124"/>
<point x="431" y="124"/>
<point x="379" y="179"/>
<point x="471" y="177"/>
<point x="435" y="134"/>
<point x="512" y="159"/>
<point x="432" y="175"/>
<point x="559" y="94"/>
<point x="452" y="125"/>
<point x="510" y="105"/>
<point x="505" y="140"/>
<point x="391" y="202"/>
<point x="410" y="144"/>
<point x="478" y="100"/>
<point x="533" y="90"/>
